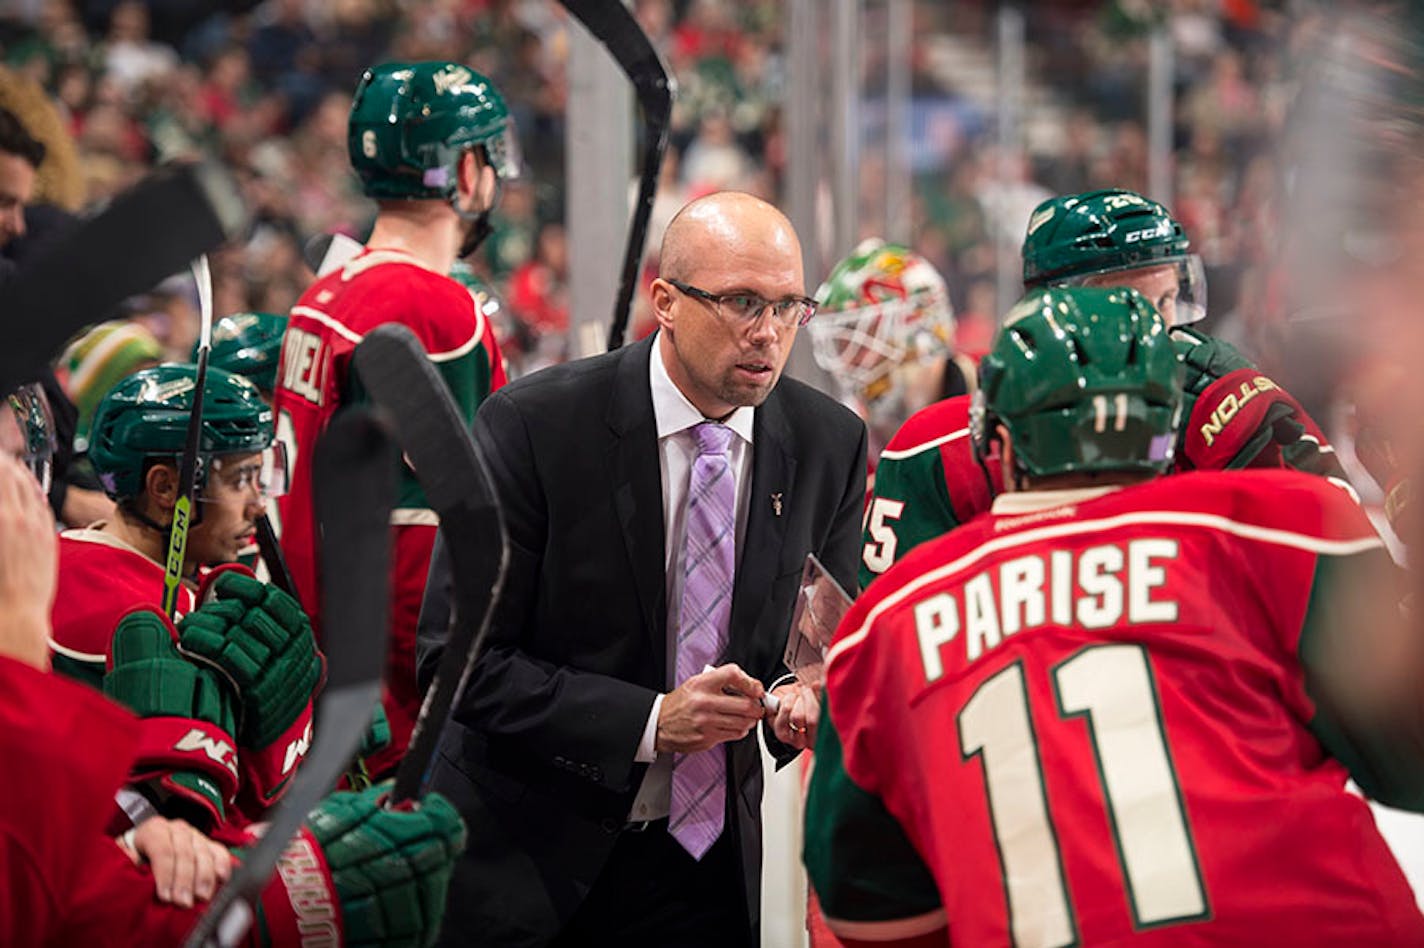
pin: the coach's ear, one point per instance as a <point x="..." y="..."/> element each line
<point x="662" y="294"/>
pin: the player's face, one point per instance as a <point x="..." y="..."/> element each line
<point x="1159" y="284"/>
<point x="17" y="187"/>
<point x="232" y="502"/>
<point x="719" y="361"/>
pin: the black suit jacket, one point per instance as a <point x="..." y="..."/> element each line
<point x="539" y="753"/>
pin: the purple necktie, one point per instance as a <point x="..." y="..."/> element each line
<point x="699" y="781"/>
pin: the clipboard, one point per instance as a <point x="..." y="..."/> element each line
<point x="821" y="603"/>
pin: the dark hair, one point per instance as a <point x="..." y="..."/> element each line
<point x="16" y="139"/>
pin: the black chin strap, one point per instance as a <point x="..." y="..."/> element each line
<point x="476" y="235"/>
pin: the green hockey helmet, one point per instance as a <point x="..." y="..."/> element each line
<point x="882" y="307"/>
<point x="1091" y="238"/>
<point x="248" y="344"/>
<point x="1085" y="380"/>
<point x="145" y="419"/>
<point x="410" y="122"/>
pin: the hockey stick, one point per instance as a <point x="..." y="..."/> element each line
<point x="188" y="464"/>
<point x="270" y="549"/>
<point x="612" y="25"/>
<point x="399" y="376"/>
<point x="83" y="274"/>
<point x="354" y="469"/>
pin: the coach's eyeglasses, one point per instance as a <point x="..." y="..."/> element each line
<point x="746" y="308"/>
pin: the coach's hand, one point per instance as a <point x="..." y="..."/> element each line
<point x="794" y="722"/>
<point x="711" y="708"/>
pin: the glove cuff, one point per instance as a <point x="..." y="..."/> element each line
<point x="266" y="771"/>
<point x="206" y="585"/>
<point x="299" y="906"/>
<point x="1226" y="424"/>
<point x="190" y="759"/>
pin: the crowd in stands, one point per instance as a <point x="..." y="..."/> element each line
<point x="267" y="87"/>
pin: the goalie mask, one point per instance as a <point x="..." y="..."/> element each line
<point x="248" y="344"/>
<point x="1085" y="380"/>
<point x="144" y="420"/>
<point x="27" y="431"/>
<point x="1101" y="237"/>
<point x="882" y="311"/>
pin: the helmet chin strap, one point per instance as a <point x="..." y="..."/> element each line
<point x="478" y="231"/>
<point x="480" y="226"/>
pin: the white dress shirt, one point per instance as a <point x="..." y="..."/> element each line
<point x="677" y="450"/>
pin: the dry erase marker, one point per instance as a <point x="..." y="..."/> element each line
<point x="769" y="702"/>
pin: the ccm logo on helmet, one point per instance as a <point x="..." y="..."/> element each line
<point x="1233" y="402"/>
<point x="1163" y="229"/>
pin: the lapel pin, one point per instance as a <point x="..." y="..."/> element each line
<point x="776" y="505"/>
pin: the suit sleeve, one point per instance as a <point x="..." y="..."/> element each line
<point x="537" y="708"/>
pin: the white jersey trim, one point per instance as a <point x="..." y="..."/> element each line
<point x="893" y="930"/>
<point x="337" y="327"/>
<point x="355" y="338"/>
<point x="414" y="517"/>
<point x="75" y="654"/>
<point x="901" y="454"/>
<point x="1180" y="518"/>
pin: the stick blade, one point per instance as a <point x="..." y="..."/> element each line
<point x="354" y="468"/>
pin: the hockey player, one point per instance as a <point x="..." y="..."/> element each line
<point x="357" y="874"/>
<point x="249" y="345"/>
<point x="206" y="737"/>
<point x="928" y="481"/>
<point x="1119" y="709"/>
<point x="884" y="330"/>
<point x="431" y="143"/>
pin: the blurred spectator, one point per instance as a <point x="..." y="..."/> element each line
<point x="539" y="297"/>
<point x="131" y="58"/>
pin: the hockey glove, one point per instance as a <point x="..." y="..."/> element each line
<point x="389" y="870"/>
<point x="1235" y="417"/>
<point x="186" y="751"/>
<point x="377" y="738"/>
<point x="260" y="641"/>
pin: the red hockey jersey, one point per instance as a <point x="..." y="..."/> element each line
<point x="314" y="379"/>
<point x="1123" y="717"/>
<point x="100" y="579"/>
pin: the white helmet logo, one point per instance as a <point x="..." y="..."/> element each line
<point x="368" y="143"/>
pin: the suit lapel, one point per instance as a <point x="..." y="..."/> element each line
<point x="773" y="472"/>
<point x="637" y="488"/>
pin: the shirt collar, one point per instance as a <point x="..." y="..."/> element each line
<point x="675" y="413"/>
<point x="1030" y="501"/>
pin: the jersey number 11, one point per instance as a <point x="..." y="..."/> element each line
<point x="1110" y="685"/>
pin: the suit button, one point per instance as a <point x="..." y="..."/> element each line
<point x="610" y="825"/>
